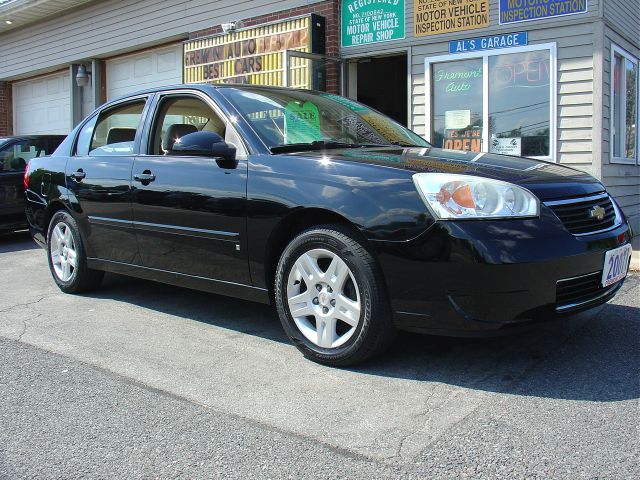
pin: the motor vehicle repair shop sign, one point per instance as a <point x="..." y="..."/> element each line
<point x="371" y="21"/>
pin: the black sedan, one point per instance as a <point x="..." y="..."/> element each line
<point x="15" y="152"/>
<point x="351" y="224"/>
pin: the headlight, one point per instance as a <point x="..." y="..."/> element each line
<point x="452" y="196"/>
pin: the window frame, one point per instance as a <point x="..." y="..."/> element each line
<point x="152" y="118"/>
<point x="626" y="56"/>
<point x="484" y="55"/>
<point x="99" y="113"/>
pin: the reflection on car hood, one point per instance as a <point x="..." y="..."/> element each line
<point x="548" y="180"/>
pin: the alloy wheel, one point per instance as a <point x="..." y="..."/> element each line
<point x="63" y="252"/>
<point x="323" y="298"/>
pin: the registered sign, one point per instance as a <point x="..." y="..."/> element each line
<point x="371" y="21"/>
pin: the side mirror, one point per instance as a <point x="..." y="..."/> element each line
<point x="206" y="144"/>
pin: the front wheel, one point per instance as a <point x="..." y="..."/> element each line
<point x="331" y="299"/>
<point x="67" y="258"/>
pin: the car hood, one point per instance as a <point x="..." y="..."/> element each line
<point x="547" y="180"/>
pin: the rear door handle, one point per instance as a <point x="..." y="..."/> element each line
<point x="144" y="177"/>
<point x="78" y="175"/>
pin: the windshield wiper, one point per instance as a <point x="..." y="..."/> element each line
<point x="329" y="144"/>
<point x="315" y="145"/>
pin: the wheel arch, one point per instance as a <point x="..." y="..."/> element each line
<point x="53" y="207"/>
<point x="290" y="226"/>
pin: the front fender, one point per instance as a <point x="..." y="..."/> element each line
<point x="381" y="201"/>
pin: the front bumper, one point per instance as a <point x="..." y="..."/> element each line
<point x="475" y="277"/>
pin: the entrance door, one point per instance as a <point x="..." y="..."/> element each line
<point x="190" y="211"/>
<point x="382" y="84"/>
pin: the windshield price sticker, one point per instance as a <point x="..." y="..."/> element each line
<point x="616" y="265"/>
<point x="301" y="122"/>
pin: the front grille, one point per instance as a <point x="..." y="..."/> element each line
<point x="575" y="292"/>
<point x="577" y="214"/>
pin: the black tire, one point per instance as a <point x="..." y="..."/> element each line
<point x="82" y="278"/>
<point x="375" y="330"/>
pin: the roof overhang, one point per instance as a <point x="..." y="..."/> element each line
<point x="18" y="13"/>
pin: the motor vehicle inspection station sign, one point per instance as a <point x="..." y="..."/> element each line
<point x="371" y="21"/>
<point x="432" y="17"/>
<point x="512" y="11"/>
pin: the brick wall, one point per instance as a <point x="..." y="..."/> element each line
<point x="6" y="119"/>
<point x="328" y="9"/>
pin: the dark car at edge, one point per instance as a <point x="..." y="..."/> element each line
<point x="15" y="152"/>
<point x="354" y="226"/>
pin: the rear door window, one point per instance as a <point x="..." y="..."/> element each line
<point x="115" y="130"/>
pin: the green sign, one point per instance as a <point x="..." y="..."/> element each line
<point x="301" y="122"/>
<point x="371" y="21"/>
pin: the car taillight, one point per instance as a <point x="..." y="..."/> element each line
<point x="26" y="176"/>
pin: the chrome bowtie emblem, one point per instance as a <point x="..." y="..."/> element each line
<point x="597" y="212"/>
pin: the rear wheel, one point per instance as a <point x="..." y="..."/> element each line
<point x="67" y="259"/>
<point x="330" y="297"/>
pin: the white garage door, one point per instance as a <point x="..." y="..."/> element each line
<point x="42" y="105"/>
<point x="153" y="68"/>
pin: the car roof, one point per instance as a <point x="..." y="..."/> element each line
<point x="207" y="86"/>
<point x="32" y="137"/>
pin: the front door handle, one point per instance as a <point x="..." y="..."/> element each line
<point x="78" y="175"/>
<point x="144" y="177"/>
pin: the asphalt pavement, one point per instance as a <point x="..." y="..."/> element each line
<point x="143" y="380"/>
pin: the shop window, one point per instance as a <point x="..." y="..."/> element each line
<point x="519" y="103"/>
<point x="497" y="101"/>
<point x="624" y="107"/>
<point x="457" y="105"/>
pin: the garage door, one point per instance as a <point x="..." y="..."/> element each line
<point x="153" y="68"/>
<point x="42" y="105"/>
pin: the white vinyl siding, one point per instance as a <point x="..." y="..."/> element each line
<point x="107" y="28"/>
<point x="624" y="16"/>
<point x="622" y="180"/>
<point x="41" y="105"/>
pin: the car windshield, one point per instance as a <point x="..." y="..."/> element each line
<point x="286" y="120"/>
<point x="3" y="141"/>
